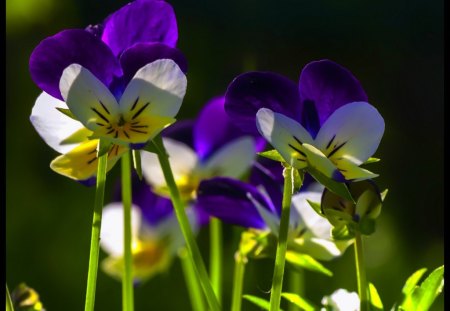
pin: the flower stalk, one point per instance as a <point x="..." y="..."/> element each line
<point x="240" y="260"/>
<point x="216" y="256"/>
<point x="361" y="272"/>
<point x="192" y="247"/>
<point x="296" y="285"/>
<point x="127" y="277"/>
<point x="95" y="235"/>
<point x="9" y="304"/>
<point x="277" y="280"/>
<point x="192" y="282"/>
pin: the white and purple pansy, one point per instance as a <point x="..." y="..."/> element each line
<point x="156" y="236"/>
<point x="326" y="124"/>
<point x="123" y="82"/>
<point x="211" y="146"/>
<point x="253" y="206"/>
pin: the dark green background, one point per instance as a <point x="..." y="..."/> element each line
<point x="395" y="48"/>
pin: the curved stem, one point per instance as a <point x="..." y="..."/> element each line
<point x="192" y="247"/>
<point x="194" y="290"/>
<point x="238" y="282"/>
<point x="277" y="280"/>
<point x="215" y="267"/>
<point x="361" y="272"/>
<point x="9" y="304"/>
<point x="95" y="235"/>
<point x="127" y="277"/>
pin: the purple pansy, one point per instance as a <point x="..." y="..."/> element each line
<point x="122" y="80"/>
<point x="324" y="123"/>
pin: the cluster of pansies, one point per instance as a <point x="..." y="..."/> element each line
<point x="117" y="86"/>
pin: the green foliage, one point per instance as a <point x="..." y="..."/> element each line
<point x="334" y="186"/>
<point x="77" y="137"/>
<point x="299" y="301"/>
<point x="67" y="112"/>
<point x="272" y="154"/>
<point x="303" y="261"/>
<point x="374" y="299"/>
<point x="371" y="160"/>
<point x="262" y="303"/>
<point x="137" y="163"/>
<point x="297" y="180"/>
<point x="421" y="297"/>
<point x="103" y="147"/>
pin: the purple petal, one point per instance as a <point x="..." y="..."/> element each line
<point x="140" y="21"/>
<point x="328" y="86"/>
<point x="226" y="198"/>
<point x="254" y="90"/>
<point x="55" y="53"/>
<point x="213" y="128"/>
<point x="181" y="131"/>
<point x="142" y="54"/>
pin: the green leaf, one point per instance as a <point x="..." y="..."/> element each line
<point x="412" y="281"/>
<point x="260" y="302"/>
<point x="77" y="137"/>
<point x="299" y="301"/>
<point x="334" y="186"/>
<point x="367" y="225"/>
<point x="272" y="154"/>
<point x="103" y="147"/>
<point x="316" y="207"/>
<point x="375" y="300"/>
<point x="67" y="112"/>
<point x="137" y="163"/>
<point x="371" y="160"/>
<point x="304" y="261"/>
<point x="341" y="233"/>
<point x="384" y="194"/>
<point x="297" y="180"/>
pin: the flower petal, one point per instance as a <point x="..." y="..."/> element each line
<point x="159" y="87"/>
<point x="181" y="131"/>
<point x="285" y="135"/>
<point x="354" y="131"/>
<point x="227" y="199"/>
<point x="52" y="125"/>
<point x="111" y="232"/>
<point x="182" y="159"/>
<point x="81" y="162"/>
<point x="233" y="159"/>
<point x="142" y="54"/>
<point x="328" y="86"/>
<point x="140" y="21"/>
<point x="88" y="98"/>
<point x="55" y="53"/>
<point x="254" y="90"/>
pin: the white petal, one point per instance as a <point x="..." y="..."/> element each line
<point x="182" y="159"/>
<point x="233" y="159"/>
<point x="355" y="130"/>
<point x="272" y="220"/>
<point x="304" y="215"/>
<point x="52" y="125"/>
<point x="161" y="83"/>
<point x="284" y="134"/>
<point x="88" y="98"/>
<point x="111" y="234"/>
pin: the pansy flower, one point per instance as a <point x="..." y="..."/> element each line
<point x="156" y="236"/>
<point x="257" y="206"/>
<point x="211" y="146"/>
<point x="326" y="124"/>
<point x="122" y="81"/>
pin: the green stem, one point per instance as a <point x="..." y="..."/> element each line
<point x="239" y="269"/>
<point x="215" y="247"/>
<point x="361" y="272"/>
<point x="9" y="304"/>
<point x="277" y="280"/>
<point x="95" y="235"/>
<point x="127" y="277"/>
<point x="192" y="247"/>
<point x="192" y="284"/>
<point x="296" y="286"/>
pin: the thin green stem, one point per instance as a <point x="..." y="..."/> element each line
<point x="277" y="280"/>
<point x="127" y="277"/>
<point x="192" y="247"/>
<point x="240" y="261"/>
<point x="9" y="304"/>
<point x="95" y="235"/>
<point x="192" y="283"/>
<point x="215" y="267"/>
<point x="296" y="285"/>
<point x="361" y="272"/>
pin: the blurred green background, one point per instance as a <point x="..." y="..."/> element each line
<point x="395" y="48"/>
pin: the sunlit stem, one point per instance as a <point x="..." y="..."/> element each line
<point x="277" y="280"/>
<point x="215" y="247"/>
<point x="296" y="286"/>
<point x="192" y="282"/>
<point x="240" y="261"/>
<point x="361" y="272"/>
<point x="95" y="235"/>
<point x="9" y="304"/>
<point x="192" y="247"/>
<point x="127" y="277"/>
